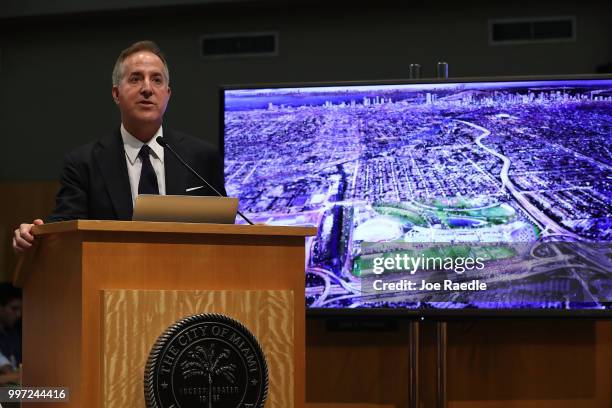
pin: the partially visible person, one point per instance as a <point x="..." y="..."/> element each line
<point x="10" y="333"/>
<point x="9" y="374"/>
<point x="101" y="180"/>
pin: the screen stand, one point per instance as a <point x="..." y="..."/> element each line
<point x="441" y="368"/>
<point x="441" y="346"/>
<point x="414" y="363"/>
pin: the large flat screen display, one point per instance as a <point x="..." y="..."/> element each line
<point x="432" y="198"/>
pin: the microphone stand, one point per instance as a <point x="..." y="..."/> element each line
<point x="160" y="140"/>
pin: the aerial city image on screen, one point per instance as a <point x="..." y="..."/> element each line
<point x="505" y="170"/>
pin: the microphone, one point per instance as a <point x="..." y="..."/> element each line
<point x="162" y="142"/>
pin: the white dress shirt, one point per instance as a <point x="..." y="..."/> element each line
<point x="132" y="146"/>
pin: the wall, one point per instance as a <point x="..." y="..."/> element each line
<point x="55" y="71"/>
<point x="21" y="8"/>
<point x="490" y="364"/>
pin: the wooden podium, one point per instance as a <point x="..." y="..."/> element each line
<point x="97" y="294"/>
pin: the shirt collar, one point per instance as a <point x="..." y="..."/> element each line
<point x="132" y="146"/>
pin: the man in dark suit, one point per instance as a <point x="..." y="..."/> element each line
<point x="101" y="180"/>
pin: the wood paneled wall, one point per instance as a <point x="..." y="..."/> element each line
<point x="491" y="364"/>
<point x="21" y="202"/>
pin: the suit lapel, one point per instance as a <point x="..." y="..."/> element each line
<point x="111" y="160"/>
<point x="175" y="173"/>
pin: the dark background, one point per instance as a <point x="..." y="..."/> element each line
<point x="56" y="59"/>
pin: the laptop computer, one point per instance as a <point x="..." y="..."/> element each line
<point x="180" y="208"/>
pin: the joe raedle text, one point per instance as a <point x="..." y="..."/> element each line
<point x="380" y="285"/>
<point x="407" y="265"/>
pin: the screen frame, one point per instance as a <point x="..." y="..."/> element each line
<point x="422" y="314"/>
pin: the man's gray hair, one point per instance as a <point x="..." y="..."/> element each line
<point x="146" y="45"/>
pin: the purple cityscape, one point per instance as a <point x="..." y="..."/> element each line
<point x="470" y="163"/>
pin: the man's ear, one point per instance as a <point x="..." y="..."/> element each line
<point x="169" y="92"/>
<point x="115" y="92"/>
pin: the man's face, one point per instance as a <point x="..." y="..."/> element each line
<point x="10" y="313"/>
<point x="143" y="92"/>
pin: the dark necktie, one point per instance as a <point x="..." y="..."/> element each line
<point x="148" y="179"/>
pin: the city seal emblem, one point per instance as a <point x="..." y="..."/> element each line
<point x="206" y="360"/>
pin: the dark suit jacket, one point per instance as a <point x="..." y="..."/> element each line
<point x="95" y="184"/>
